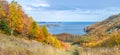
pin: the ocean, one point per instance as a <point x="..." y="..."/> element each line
<point x="76" y="28"/>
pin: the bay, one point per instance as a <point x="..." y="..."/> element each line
<point x="76" y="28"/>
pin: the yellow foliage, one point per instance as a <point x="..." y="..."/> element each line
<point x="19" y="22"/>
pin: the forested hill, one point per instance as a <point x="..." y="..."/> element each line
<point x="109" y="25"/>
<point x="102" y="34"/>
<point x="14" y="22"/>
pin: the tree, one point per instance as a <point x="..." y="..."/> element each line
<point x="15" y="17"/>
<point x="19" y="19"/>
<point x="5" y="27"/>
<point x="45" y="31"/>
<point x="2" y="13"/>
<point x="14" y="21"/>
<point x="26" y="25"/>
<point x="57" y="43"/>
<point x="33" y="31"/>
<point x="40" y="36"/>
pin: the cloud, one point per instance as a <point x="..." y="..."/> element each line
<point x="40" y="10"/>
<point x="27" y="8"/>
<point x="32" y="4"/>
<point x="74" y="15"/>
<point x="41" y="5"/>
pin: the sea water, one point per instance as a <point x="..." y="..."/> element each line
<point x="76" y="28"/>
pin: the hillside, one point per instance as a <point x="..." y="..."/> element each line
<point x="65" y="37"/>
<point x="11" y="45"/>
<point x="21" y="35"/>
<point x="15" y="22"/>
<point x="102" y="34"/>
<point x="109" y="25"/>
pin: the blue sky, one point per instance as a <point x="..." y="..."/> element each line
<point x="70" y="10"/>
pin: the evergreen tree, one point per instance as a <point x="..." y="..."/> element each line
<point x="5" y="27"/>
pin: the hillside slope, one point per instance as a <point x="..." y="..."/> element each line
<point x="102" y="34"/>
<point x="21" y="35"/>
<point x="11" y="45"/>
<point x="14" y="21"/>
<point x="109" y="25"/>
<point x="65" y="37"/>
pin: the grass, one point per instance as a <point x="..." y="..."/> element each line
<point x="11" y="45"/>
<point x="98" y="51"/>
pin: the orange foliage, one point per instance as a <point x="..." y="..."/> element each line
<point x="67" y="46"/>
<point x="21" y="24"/>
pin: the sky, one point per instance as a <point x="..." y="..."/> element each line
<point x="70" y="10"/>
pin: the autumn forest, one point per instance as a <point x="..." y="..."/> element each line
<point x="13" y="21"/>
<point x="20" y="34"/>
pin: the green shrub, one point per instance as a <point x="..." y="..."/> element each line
<point x="5" y="27"/>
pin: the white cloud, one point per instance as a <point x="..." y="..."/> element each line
<point x="42" y="14"/>
<point x="27" y="8"/>
<point x="74" y="15"/>
<point x="29" y="4"/>
<point x="44" y="5"/>
<point x="40" y="5"/>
